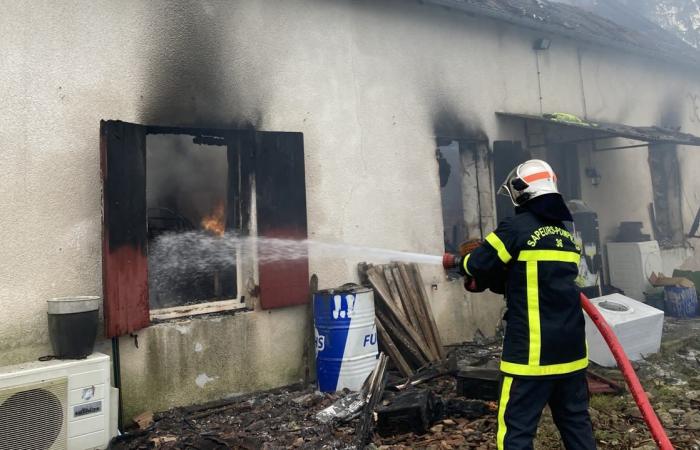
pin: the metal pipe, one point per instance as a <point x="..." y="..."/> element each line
<point x="117" y="380"/>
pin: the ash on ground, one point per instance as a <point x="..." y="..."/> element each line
<point x="286" y="418"/>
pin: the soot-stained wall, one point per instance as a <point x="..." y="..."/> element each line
<point x="368" y="83"/>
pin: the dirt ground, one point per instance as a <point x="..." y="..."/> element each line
<point x="285" y="418"/>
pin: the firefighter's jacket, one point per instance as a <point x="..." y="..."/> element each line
<point x="534" y="261"/>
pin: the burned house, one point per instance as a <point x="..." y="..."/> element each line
<point x="385" y="124"/>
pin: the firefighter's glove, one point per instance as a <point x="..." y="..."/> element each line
<point x="471" y="285"/>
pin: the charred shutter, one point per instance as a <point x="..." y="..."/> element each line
<point x="124" y="231"/>
<point x="281" y="213"/>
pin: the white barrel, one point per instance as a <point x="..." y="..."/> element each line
<point x="346" y="337"/>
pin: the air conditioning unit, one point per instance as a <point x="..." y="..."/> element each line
<point x="57" y="405"/>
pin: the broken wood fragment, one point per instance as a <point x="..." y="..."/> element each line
<point x="420" y="309"/>
<point x="426" y="302"/>
<point x="393" y="352"/>
<point x="144" y="420"/>
<point x="404" y="340"/>
<point x="395" y="314"/>
<point x="405" y="322"/>
<point x="374" y="393"/>
<point x="393" y="289"/>
<point x="406" y="299"/>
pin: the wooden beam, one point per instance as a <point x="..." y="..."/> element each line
<point x="381" y="288"/>
<point x="403" y="339"/>
<point x="421" y="313"/>
<point x="391" y="282"/>
<point x="393" y="351"/>
<point x="426" y="301"/>
<point x="408" y="305"/>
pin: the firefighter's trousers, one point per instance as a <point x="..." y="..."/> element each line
<point x="521" y="403"/>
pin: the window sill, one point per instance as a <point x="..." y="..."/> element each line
<point x="176" y="312"/>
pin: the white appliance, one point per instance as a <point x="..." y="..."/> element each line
<point x="58" y="404"/>
<point x="631" y="263"/>
<point x="637" y="326"/>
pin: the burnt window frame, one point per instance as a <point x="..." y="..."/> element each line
<point x="238" y="200"/>
<point x="272" y="162"/>
<point x="666" y="209"/>
<point x="476" y="152"/>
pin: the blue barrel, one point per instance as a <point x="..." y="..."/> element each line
<point x="680" y="301"/>
<point x="346" y="337"/>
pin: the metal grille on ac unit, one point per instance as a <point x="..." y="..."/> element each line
<point x="32" y="416"/>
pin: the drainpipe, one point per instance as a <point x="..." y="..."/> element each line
<point x="117" y="380"/>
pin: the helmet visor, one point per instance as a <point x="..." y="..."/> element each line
<point x="506" y="187"/>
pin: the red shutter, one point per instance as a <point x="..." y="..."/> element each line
<point x="280" y="197"/>
<point x="124" y="229"/>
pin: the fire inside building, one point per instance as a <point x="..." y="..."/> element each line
<point x="245" y="201"/>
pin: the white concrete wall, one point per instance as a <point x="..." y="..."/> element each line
<point x="367" y="82"/>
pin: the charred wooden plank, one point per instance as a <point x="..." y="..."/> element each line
<point x="394" y="313"/>
<point x="426" y="301"/>
<point x="408" y="305"/>
<point x="403" y="340"/>
<point x="420" y="309"/>
<point x="375" y="392"/>
<point x="393" y="289"/>
<point x="393" y="352"/>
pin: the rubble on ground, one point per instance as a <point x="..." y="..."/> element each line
<point x="286" y="418"/>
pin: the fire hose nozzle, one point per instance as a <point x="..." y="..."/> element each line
<point x="450" y="261"/>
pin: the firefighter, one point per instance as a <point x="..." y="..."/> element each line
<point x="533" y="260"/>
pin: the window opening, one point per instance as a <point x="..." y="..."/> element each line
<point x="256" y="189"/>
<point x="465" y="190"/>
<point x="451" y="170"/>
<point x="666" y="184"/>
<point x="187" y="190"/>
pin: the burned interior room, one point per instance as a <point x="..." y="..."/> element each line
<point x="187" y="188"/>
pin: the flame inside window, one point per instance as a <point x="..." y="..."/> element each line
<point x="215" y="222"/>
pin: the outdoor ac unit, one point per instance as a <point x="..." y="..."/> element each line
<point x="58" y="404"/>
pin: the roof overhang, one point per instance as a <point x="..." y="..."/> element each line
<point x="534" y="19"/>
<point x="606" y="130"/>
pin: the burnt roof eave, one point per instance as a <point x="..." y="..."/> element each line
<point x="651" y="134"/>
<point x="543" y="26"/>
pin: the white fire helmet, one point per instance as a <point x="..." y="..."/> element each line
<point x="529" y="180"/>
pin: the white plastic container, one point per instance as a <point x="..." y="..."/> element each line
<point x="630" y="265"/>
<point x="637" y="326"/>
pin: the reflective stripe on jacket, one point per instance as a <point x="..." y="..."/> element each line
<point x="535" y="262"/>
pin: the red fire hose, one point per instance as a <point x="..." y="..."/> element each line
<point x="640" y="397"/>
